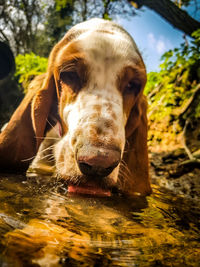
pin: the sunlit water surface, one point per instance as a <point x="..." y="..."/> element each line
<point x="41" y="225"/>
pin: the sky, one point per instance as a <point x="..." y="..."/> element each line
<point x="153" y="36"/>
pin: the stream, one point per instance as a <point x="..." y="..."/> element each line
<point x="42" y="225"/>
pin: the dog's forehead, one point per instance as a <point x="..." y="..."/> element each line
<point x="98" y="25"/>
<point x="103" y="46"/>
<point x="102" y="39"/>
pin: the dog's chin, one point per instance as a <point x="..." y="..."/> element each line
<point x="93" y="186"/>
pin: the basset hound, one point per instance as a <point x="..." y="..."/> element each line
<point x="86" y="114"/>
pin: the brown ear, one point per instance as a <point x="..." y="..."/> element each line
<point x="19" y="142"/>
<point x="41" y="106"/>
<point x="136" y="153"/>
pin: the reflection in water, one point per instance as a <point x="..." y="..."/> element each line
<point x="41" y="225"/>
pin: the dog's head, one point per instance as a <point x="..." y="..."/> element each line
<point x="99" y="76"/>
<point x="96" y="78"/>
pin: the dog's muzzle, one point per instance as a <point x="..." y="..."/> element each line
<point x="97" y="160"/>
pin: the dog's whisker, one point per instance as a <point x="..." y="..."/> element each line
<point x="53" y="128"/>
<point x="49" y="148"/>
<point x="48" y="138"/>
<point x="28" y="159"/>
<point x="49" y="157"/>
<point x="124" y="176"/>
<point x="124" y="165"/>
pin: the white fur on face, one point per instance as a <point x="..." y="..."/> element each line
<point x="96" y="117"/>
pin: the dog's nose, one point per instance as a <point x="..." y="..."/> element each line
<point x="97" y="161"/>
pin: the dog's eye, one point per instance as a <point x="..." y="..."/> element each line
<point x="133" y="87"/>
<point x="71" y="79"/>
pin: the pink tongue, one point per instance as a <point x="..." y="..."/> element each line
<point x="88" y="190"/>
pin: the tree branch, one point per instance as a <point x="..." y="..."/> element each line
<point x="177" y="17"/>
<point x="190" y="101"/>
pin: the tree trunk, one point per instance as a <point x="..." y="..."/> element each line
<point x="173" y="14"/>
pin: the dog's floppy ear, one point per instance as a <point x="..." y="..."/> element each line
<point x="136" y="153"/>
<point x="41" y="106"/>
<point x="20" y="140"/>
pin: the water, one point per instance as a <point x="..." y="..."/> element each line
<point x="41" y="225"/>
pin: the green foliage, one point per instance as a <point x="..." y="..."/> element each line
<point x="182" y="2"/>
<point x="154" y="79"/>
<point x="185" y="57"/>
<point x="170" y="90"/>
<point x="58" y="20"/>
<point x="61" y="4"/>
<point x="106" y="16"/>
<point x="28" y="66"/>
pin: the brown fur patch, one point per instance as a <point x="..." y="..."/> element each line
<point x="108" y="106"/>
<point x="114" y="116"/>
<point x="99" y="130"/>
<point x="130" y="74"/>
<point x="108" y="123"/>
<point x="97" y="108"/>
<point x="70" y="60"/>
<point x="78" y="132"/>
<point x="94" y="116"/>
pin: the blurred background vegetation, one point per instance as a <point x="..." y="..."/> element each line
<point x="32" y="27"/>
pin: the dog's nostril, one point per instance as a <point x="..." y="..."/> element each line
<point x="85" y="168"/>
<point x="110" y="169"/>
<point x="89" y="170"/>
